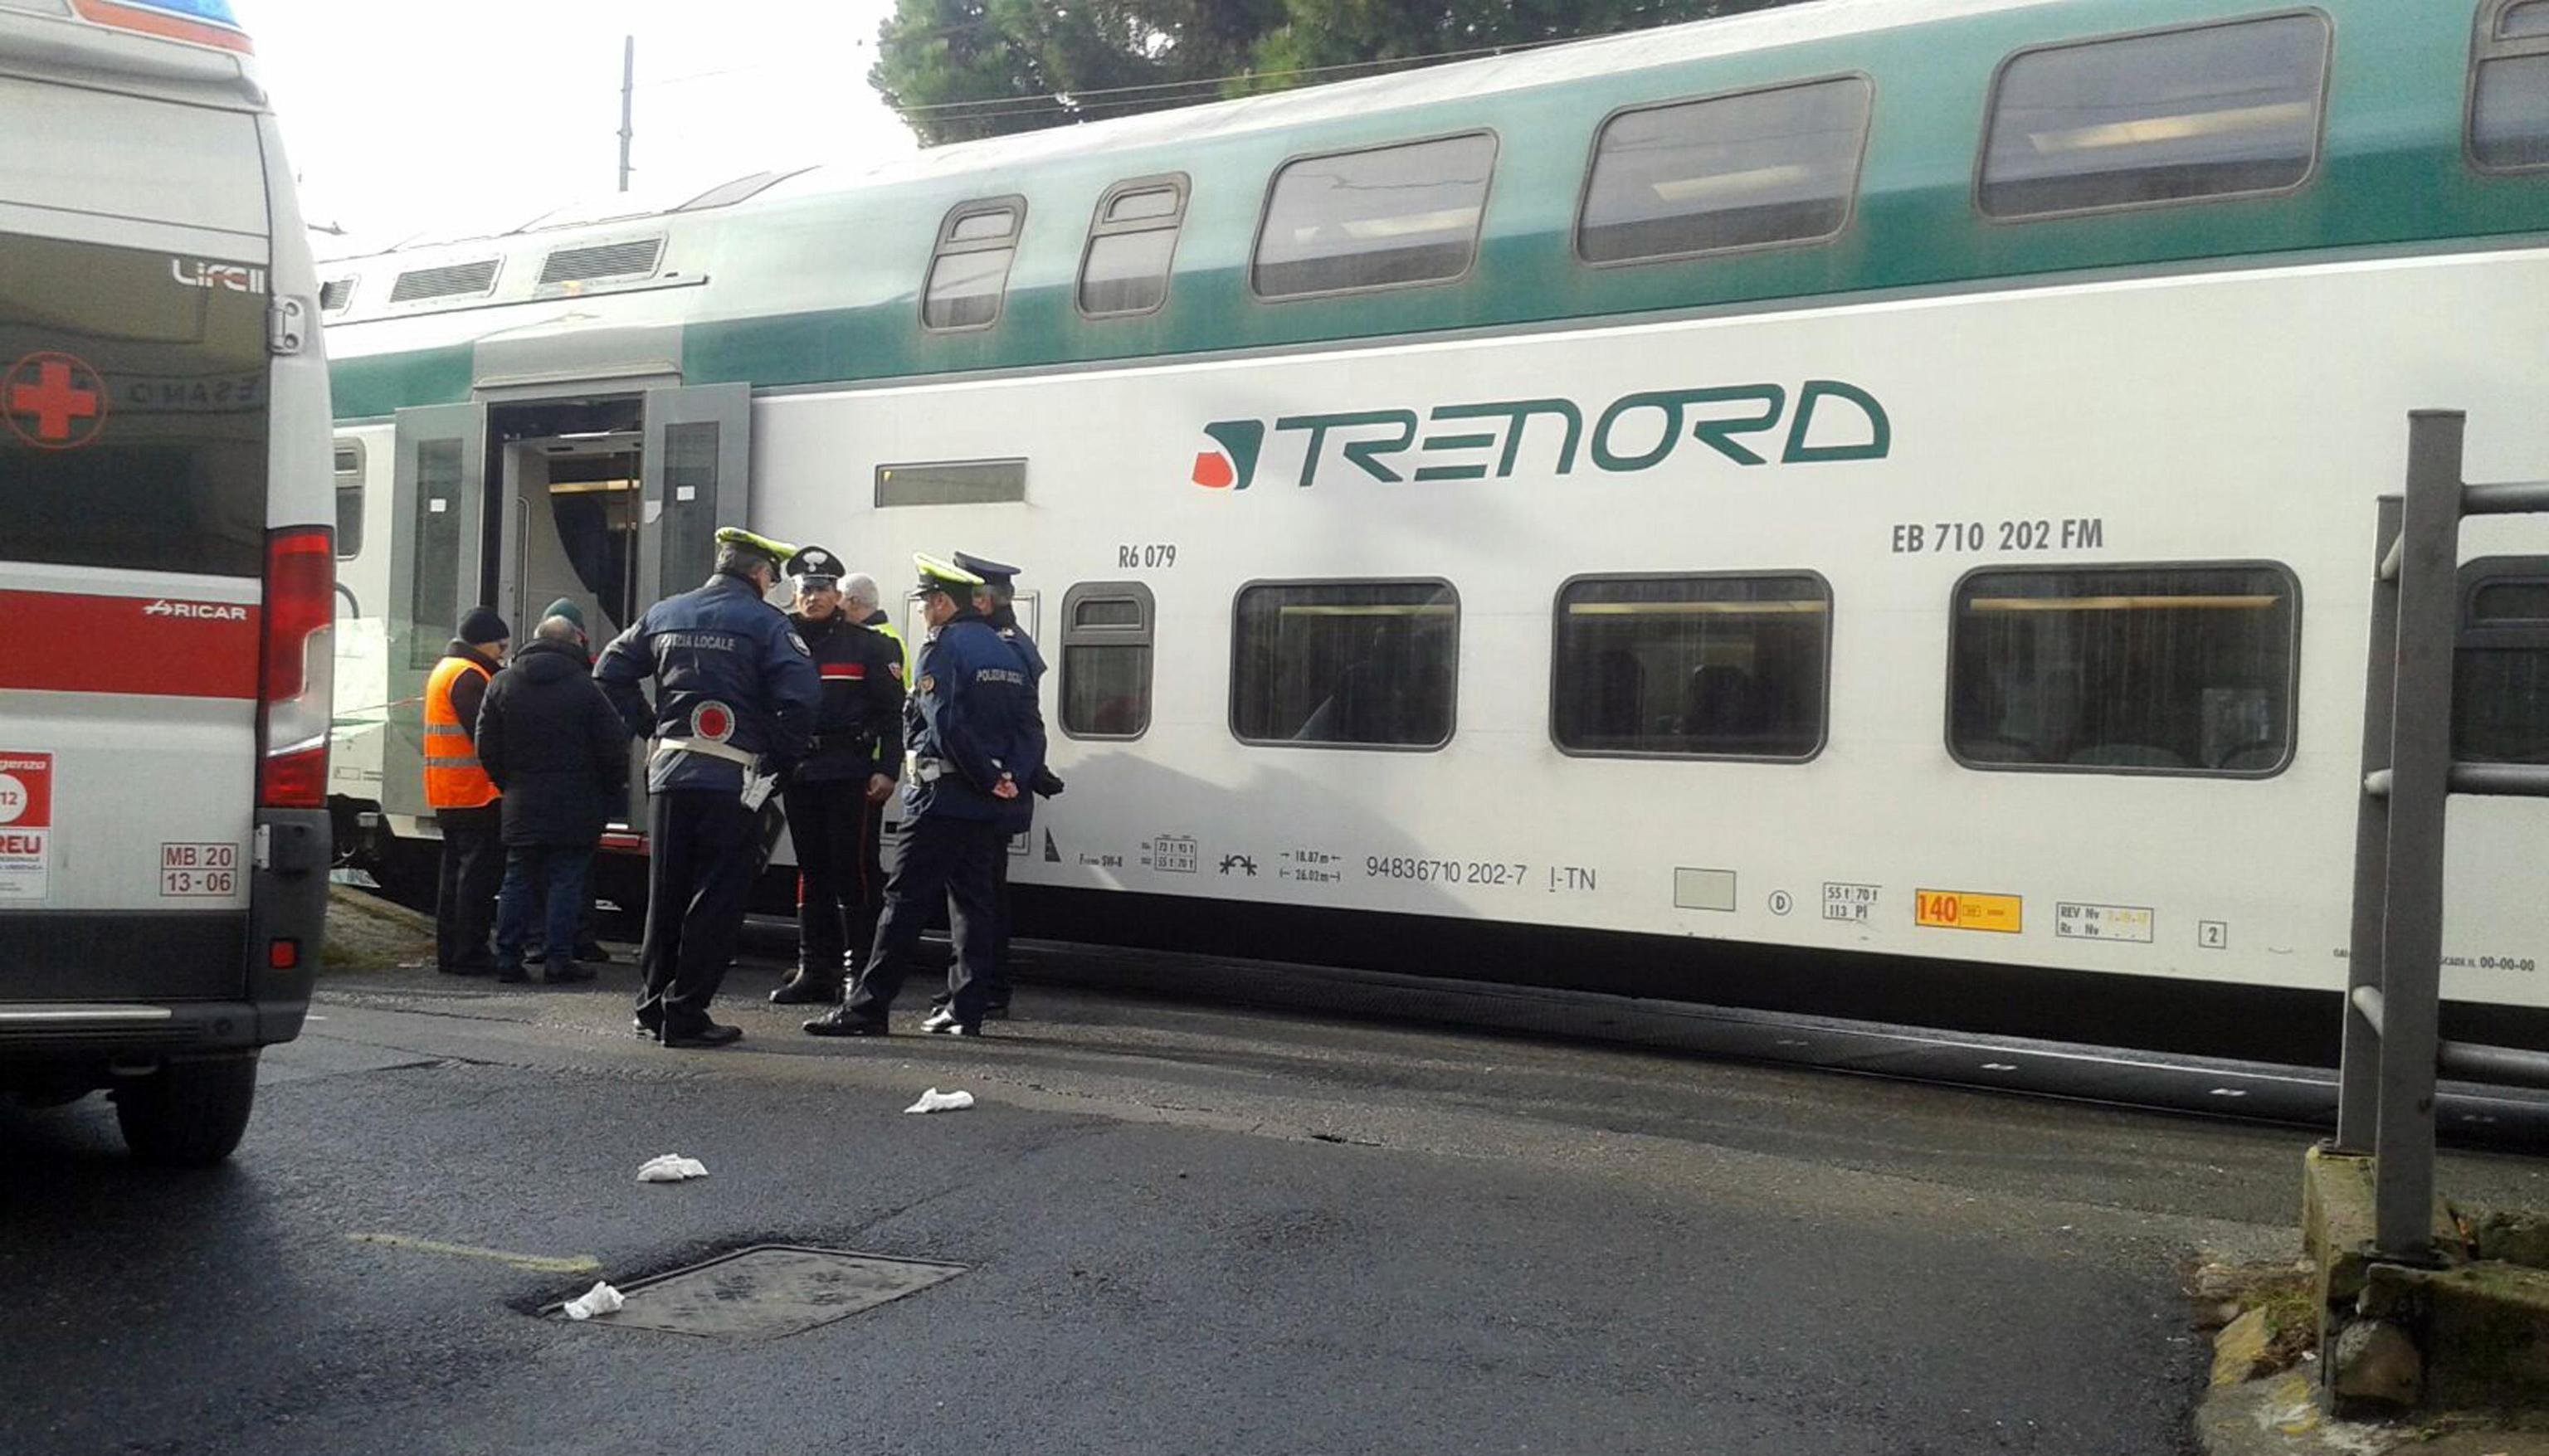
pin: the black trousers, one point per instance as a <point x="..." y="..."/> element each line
<point x="464" y="895"/>
<point x="942" y="861"/>
<point x="995" y="985"/>
<point x="840" y="881"/>
<point x="699" y="869"/>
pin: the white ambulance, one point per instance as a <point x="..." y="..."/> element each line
<point x="167" y="572"/>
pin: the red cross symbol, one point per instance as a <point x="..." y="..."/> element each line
<point x="65" y="396"/>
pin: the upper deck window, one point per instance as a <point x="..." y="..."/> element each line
<point x="1131" y="243"/>
<point x="2508" y="117"/>
<point x="969" y="270"/>
<point x="2174" y="115"/>
<point x="1386" y="217"/>
<point x="1754" y="170"/>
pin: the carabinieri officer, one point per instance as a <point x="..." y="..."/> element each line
<point x="836" y="797"/>
<point x="970" y="728"/>
<point x="735" y="696"/>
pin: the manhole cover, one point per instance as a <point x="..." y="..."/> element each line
<point x="772" y="1290"/>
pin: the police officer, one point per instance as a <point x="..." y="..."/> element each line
<point x="736" y="696"/>
<point x="996" y="601"/>
<point x="836" y="797"/>
<point x="971" y="752"/>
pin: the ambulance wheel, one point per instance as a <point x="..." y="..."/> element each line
<point x="188" y="1114"/>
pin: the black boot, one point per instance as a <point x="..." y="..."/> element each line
<point x="802" y="989"/>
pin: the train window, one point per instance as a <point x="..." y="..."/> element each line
<point x="1131" y="242"/>
<point x="968" y="272"/>
<point x="1692" y="667"/>
<point x="2508" y="107"/>
<point x="2501" y="673"/>
<point x="2172" y="116"/>
<point x="2158" y="668"/>
<point x="1106" y="659"/>
<point x="1753" y="170"/>
<point x="1386" y="217"/>
<point x="952" y="483"/>
<point x="334" y="295"/>
<point x="1345" y="663"/>
<point x="349" y="500"/>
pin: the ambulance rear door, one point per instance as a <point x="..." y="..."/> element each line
<point x="133" y="494"/>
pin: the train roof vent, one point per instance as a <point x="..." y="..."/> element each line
<point x="334" y="295"/>
<point x="454" y="280"/>
<point x="603" y="260"/>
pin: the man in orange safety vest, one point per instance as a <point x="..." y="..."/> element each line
<point x="463" y="797"/>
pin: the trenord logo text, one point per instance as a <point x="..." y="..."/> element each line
<point x="1633" y="433"/>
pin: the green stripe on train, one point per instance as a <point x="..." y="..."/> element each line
<point x="2391" y="174"/>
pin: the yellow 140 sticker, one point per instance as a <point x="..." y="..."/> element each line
<point x="1965" y="910"/>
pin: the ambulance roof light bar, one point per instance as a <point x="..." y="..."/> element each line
<point x="196" y="22"/>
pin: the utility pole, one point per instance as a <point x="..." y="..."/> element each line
<point x="628" y="103"/>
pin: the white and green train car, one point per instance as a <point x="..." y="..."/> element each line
<point x="1865" y="507"/>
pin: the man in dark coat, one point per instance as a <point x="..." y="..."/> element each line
<point x="589" y="949"/>
<point x="556" y="746"/>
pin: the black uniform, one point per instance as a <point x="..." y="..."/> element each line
<point x="837" y="829"/>
<point x="970" y="723"/>
<point x="734" y="686"/>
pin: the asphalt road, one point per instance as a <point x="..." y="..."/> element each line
<point x="1188" y="1228"/>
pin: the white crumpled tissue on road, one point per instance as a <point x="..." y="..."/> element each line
<point x="934" y="1100"/>
<point x="601" y="1299"/>
<point x="671" y="1167"/>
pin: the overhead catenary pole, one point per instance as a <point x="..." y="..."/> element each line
<point x="628" y="103"/>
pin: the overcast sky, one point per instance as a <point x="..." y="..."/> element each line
<point x="415" y="115"/>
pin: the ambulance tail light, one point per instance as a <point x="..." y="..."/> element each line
<point x="297" y="667"/>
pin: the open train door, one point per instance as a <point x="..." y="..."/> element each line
<point x="436" y="555"/>
<point x="696" y="475"/>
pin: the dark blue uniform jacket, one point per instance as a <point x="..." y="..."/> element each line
<point x="973" y="712"/>
<point x="726" y="666"/>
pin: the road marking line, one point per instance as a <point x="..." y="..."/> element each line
<point x="532" y="1263"/>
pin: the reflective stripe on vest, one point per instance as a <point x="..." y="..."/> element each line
<point x="453" y="777"/>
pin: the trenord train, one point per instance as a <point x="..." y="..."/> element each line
<point x="1864" y="507"/>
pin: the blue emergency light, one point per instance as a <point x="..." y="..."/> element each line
<point x="211" y="12"/>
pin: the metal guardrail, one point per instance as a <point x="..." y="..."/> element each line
<point x="2393" y="1050"/>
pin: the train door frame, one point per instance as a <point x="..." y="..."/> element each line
<point x="695" y="474"/>
<point x="444" y="490"/>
